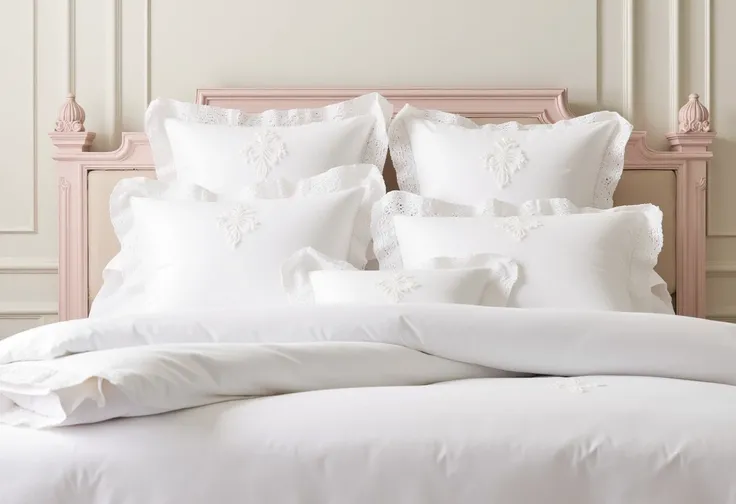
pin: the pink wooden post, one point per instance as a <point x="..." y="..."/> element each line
<point x="70" y="139"/>
<point x="693" y="138"/>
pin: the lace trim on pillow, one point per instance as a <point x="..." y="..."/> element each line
<point x="385" y="242"/>
<point x="160" y="110"/>
<point x="647" y="248"/>
<point x="648" y="243"/>
<point x="124" y="267"/>
<point x="608" y="177"/>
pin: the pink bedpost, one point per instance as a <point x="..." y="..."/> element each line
<point x="694" y="138"/>
<point x="70" y="138"/>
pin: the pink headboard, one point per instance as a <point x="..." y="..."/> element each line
<point x="686" y="162"/>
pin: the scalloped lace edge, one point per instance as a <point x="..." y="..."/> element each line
<point x="609" y="174"/>
<point x="161" y="109"/>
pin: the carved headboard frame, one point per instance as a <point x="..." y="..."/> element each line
<point x="687" y="158"/>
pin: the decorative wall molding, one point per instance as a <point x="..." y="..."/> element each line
<point x="32" y="228"/>
<point x="628" y="60"/>
<point x="706" y="97"/>
<point x="116" y="71"/>
<point x="71" y="46"/>
<point x="27" y="311"/>
<point x="598" y="53"/>
<point x="721" y="269"/>
<point x="674" y="63"/>
<point x="707" y="36"/>
<point x="36" y="313"/>
<point x="147" y="53"/>
<point x="27" y="265"/>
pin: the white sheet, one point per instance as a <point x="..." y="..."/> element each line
<point x="657" y="435"/>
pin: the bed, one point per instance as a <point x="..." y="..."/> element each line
<point x="412" y="403"/>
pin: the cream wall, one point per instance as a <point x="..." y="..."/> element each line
<point x="638" y="57"/>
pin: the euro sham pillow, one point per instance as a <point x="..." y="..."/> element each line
<point x="224" y="150"/>
<point x="449" y="157"/>
<point x="310" y="277"/>
<point x="215" y="251"/>
<point x="568" y="258"/>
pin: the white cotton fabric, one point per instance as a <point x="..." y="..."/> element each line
<point x="568" y="257"/>
<point x="640" y="409"/>
<point x="183" y="247"/>
<point x="447" y="156"/>
<point x="223" y="150"/>
<point x="315" y="278"/>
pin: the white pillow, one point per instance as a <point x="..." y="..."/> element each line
<point x="446" y="156"/>
<point x="208" y="251"/>
<point x="312" y="277"/>
<point x="568" y="257"/>
<point x="223" y="150"/>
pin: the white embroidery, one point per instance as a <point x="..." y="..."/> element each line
<point x="505" y="159"/>
<point x="322" y="185"/>
<point x="265" y="152"/>
<point x="238" y="221"/>
<point x="517" y="227"/>
<point x="397" y="286"/>
<point x="576" y="385"/>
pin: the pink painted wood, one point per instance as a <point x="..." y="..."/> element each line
<point x="687" y="159"/>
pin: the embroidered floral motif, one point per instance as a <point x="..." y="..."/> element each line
<point x="505" y="159"/>
<point x="323" y="185"/>
<point x="576" y="385"/>
<point x="265" y="152"/>
<point x="517" y="227"/>
<point x="237" y="222"/>
<point x="397" y="286"/>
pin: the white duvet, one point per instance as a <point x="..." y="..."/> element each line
<point x="401" y="404"/>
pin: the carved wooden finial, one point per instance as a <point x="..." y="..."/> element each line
<point x="71" y="117"/>
<point x="694" y="117"/>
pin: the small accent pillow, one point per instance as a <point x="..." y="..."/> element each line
<point x="207" y="251"/>
<point x="314" y="278"/>
<point x="224" y="150"/>
<point x="449" y="157"/>
<point x="568" y="257"/>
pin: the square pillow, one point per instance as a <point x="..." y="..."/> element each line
<point x="449" y="157"/>
<point x="310" y="277"/>
<point x="567" y="257"/>
<point x="223" y="150"/>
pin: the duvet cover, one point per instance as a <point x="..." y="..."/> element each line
<point x="365" y="404"/>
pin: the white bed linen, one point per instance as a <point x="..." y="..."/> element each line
<point x="609" y="255"/>
<point x="182" y="245"/>
<point x="224" y="150"/>
<point x="310" y="277"/>
<point x="450" y="157"/>
<point x="659" y="432"/>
